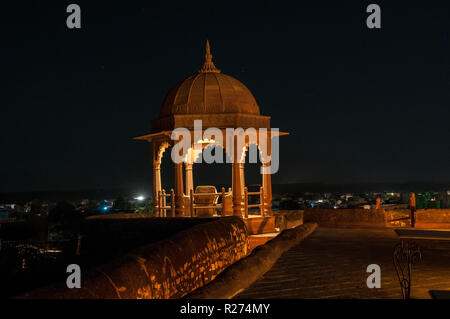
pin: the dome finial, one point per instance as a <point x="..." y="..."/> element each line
<point x="208" y="55"/>
<point x="208" y="65"/>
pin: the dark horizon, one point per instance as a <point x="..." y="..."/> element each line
<point x="362" y="106"/>
<point x="291" y="188"/>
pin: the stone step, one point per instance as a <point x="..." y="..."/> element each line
<point x="257" y="240"/>
<point x="260" y="225"/>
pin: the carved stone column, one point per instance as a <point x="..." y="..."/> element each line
<point x="237" y="190"/>
<point x="189" y="177"/>
<point x="179" y="195"/>
<point x="156" y="180"/>
<point x="157" y="150"/>
<point x="267" y="185"/>
<point x="242" y="177"/>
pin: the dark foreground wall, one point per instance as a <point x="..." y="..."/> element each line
<point x="170" y="268"/>
<point x="110" y="236"/>
<point x="35" y="227"/>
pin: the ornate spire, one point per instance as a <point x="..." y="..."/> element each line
<point x="208" y="65"/>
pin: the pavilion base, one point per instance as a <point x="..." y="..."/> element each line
<point x="258" y="240"/>
<point x="260" y="230"/>
<point x="256" y="224"/>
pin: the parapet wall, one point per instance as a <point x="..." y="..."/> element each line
<point x="425" y="218"/>
<point x="433" y="218"/>
<point x="170" y="268"/>
<point x="285" y="219"/>
<point x="345" y="217"/>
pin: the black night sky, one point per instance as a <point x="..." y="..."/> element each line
<point x="362" y="105"/>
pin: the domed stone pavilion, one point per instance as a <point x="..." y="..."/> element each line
<point x="219" y="101"/>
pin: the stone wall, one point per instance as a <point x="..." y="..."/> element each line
<point x="433" y="218"/>
<point x="398" y="217"/>
<point x="285" y="219"/>
<point x="345" y="217"/>
<point x="425" y="218"/>
<point x="170" y="268"/>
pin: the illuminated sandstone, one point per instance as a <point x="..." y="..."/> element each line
<point x="219" y="101"/>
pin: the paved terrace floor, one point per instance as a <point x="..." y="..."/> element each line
<point x="332" y="262"/>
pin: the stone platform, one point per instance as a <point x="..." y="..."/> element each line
<point x="262" y="229"/>
<point x="332" y="263"/>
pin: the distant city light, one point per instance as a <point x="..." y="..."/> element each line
<point x="140" y="198"/>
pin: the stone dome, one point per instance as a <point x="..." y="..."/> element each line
<point x="209" y="92"/>
<point x="217" y="99"/>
